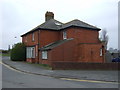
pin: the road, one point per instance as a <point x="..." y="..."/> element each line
<point x="15" y="79"/>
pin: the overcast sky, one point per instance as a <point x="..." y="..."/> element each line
<point x="20" y="16"/>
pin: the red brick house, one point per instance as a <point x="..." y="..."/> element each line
<point x="53" y="41"/>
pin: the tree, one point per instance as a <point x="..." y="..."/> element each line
<point x="18" y="52"/>
<point x="104" y="38"/>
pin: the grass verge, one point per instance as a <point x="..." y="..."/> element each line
<point x="4" y="54"/>
<point x="45" y="66"/>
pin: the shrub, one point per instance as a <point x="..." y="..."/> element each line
<point x="4" y="51"/>
<point x="18" y="52"/>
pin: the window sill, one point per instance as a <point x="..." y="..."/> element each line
<point x="44" y="59"/>
<point x="30" y="58"/>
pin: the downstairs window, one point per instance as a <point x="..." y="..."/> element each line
<point x="44" y="55"/>
<point x="30" y="52"/>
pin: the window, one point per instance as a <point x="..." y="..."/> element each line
<point x="33" y="52"/>
<point x="25" y="38"/>
<point x="101" y="52"/>
<point x="33" y="37"/>
<point x="57" y="23"/>
<point x="64" y="35"/>
<point x="30" y="52"/>
<point x="44" y="54"/>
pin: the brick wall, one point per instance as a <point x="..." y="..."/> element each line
<point x="82" y="35"/>
<point x="64" y="52"/>
<point x="69" y="51"/>
<point x="84" y="66"/>
<point x="90" y="53"/>
<point x="46" y="37"/>
<point x="44" y="61"/>
<point x="27" y="39"/>
<point x="76" y="52"/>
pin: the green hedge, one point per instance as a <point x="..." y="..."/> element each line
<point x="18" y="52"/>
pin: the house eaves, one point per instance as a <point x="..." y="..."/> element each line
<point x="79" y="24"/>
<point x="51" y="24"/>
<point x="55" y="25"/>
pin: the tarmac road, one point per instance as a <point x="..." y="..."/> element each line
<point x="14" y="79"/>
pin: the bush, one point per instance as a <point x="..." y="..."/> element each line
<point x="18" y="52"/>
<point x="4" y="51"/>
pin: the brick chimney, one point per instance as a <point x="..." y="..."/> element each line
<point x="49" y="15"/>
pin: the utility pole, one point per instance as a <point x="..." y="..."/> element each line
<point x="8" y="48"/>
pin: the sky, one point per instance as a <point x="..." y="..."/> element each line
<point x="20" y="16"/>
<point x="119" y="25"/>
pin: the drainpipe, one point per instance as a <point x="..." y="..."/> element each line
<point x="38" y="45"/>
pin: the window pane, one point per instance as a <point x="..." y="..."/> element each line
<point x="33" y="52"/>
<point x="64" y="35"/>
<point x="30" y="52"/>
<point x="27" y="52"/>
<point x="33" y="37"/>
<point x="101" y="52"/>
<point x="44" y="54"/>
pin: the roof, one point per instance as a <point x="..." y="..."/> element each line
<point x="54" y="44"/>
<point x="50" y="24"/>
<point x="55" y="25"/>
<point x="78" y="23"/>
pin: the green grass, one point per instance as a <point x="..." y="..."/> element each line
<point x="42" y="65"/>
<point x="4" y="54"/>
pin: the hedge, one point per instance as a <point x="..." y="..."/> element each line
<point x="18" y="52"/>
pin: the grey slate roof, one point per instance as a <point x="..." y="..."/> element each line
<point x="50" y="24"/>
<point x="78" y="23"/>
<point x="54" y="44"/>
<point x="53" y="24"/>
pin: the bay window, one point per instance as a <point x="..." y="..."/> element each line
<point x="30" y="52"/>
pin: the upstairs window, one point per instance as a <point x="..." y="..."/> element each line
<point x="64" y="35"/>
<point x="25" y="38"/>
<point x="33" y="37"/>
<point x="101" y="52"/>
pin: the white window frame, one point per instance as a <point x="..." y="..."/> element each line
<point x="64" y="35"/>
<point x="101" y="52"/>
<point x="30" y="52"/>
<point x="44" y="55"/>
<point x="33" y="37"/>
<point x="33" y="52"/>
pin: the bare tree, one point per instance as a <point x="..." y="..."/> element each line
<point x="104" y="38"/>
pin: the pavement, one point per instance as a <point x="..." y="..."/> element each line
<point x="103" y="75"/>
